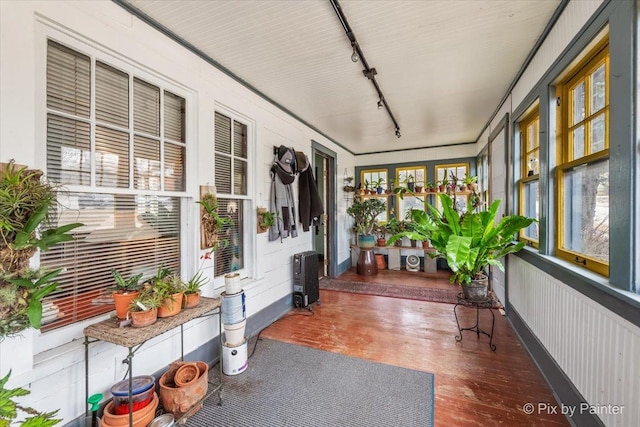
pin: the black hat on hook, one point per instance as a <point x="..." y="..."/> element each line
<point x="285" y="164"/>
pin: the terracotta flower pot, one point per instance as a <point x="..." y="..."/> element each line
<point x="380" y="261"/>
<point x="171" y="306"/>
<point x="186" y="374"/>
<point x="140" y="319"/>
<point x="192" y="300"/>
<point x="141" y="418"/>
<point x="179" y="400"/>
<point x="122" y="303"/>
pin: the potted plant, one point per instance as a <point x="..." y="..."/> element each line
<point x="431" y="187"/>
<point x="170" y="288"/>
<point x="378" y="185"/>
<point x="381" y="231"/>
<point x="470" y="182"/>
<point x="348" y="187"/>
<point x="26" y="201"/>
<point x="469" y="242"/>
<point x="266" y="219"/>
<point x="365" y="212"/>
<point x="124" y="291"/>
<point x="143" y="309"/>
<point x="410" y="181"/>
<point x="419" y="186"/>
<point x="9" y="409"/>
<point x="192" y="290"/>
<point x="394" y="226"/>
<point x="442" y="187"/>
<point x="212" y="222"/>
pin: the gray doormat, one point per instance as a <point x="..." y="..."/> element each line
<point x="291" y="385"/>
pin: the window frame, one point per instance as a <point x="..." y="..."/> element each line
<point x="531" y="118"/>
<point x="449" y="166"/>
<point x="379" y="171"/>
<point x="55" y="337"/>
<point x="247" y="202"/>
<point x="594" y="59"/>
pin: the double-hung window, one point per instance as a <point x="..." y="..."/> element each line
<point x="231" y="178"/>
<point x="530" y="174"/>
<point x="583" y="169"/>
<point x="116" y="145"/>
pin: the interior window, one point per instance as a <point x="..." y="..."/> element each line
<point x="132" y="231"/>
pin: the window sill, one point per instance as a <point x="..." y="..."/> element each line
<point x="624" y="303"/>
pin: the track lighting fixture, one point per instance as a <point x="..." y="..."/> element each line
<point x="354" y="55"/>
<point x="369" y="72"/>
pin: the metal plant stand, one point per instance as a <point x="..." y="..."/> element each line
<point x="133" y="338"/>
<point x="488" y="303"/>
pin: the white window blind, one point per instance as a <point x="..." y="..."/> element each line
<point x="97" y="141"/>
<point x="127" y="232"/>
<point x="231" y="170"/>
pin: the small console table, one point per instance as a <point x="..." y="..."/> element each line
<point x="488" y="303"/>
<point x="109" y="330"/>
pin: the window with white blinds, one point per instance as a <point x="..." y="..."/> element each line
<point x="129" y="233"/>
<point x="231" y="169"/>
<point x="127" y="135"/>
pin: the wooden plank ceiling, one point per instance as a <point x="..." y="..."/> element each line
<point x="443" y="66"/>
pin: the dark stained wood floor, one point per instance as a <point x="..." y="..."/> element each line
<point x="473" y="385"/>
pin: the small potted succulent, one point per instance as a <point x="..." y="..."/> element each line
<point x="124" y="291"/>
<point x="192" y="290"/>
<point x="143" y="309"/>
<point x="170" y="287"/>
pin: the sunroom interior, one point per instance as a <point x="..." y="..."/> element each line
<point x="137" y="108"/>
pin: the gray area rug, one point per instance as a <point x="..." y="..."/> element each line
<point x="291" y="385"/>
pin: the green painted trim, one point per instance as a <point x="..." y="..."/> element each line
<point x="332" y="192"/>
<point x="164" y="30"/>
<point x="563" y="389"/>
<point x="343" y="266"/>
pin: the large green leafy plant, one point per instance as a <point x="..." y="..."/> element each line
<point x="26" y="201"/>
<point x="470" y="242"/>
<point x="9" y="408"/>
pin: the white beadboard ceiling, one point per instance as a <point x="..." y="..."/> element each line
<point x="443" y="66"/>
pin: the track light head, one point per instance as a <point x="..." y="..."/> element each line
<point x="398" y="133"/>
<point x="380" y="104"/>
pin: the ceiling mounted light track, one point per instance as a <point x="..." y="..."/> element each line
<point x="368" y="72"/>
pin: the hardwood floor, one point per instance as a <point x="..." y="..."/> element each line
<point x="473" y="385"/>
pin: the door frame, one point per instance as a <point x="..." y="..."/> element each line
<point x="330" y="205"/>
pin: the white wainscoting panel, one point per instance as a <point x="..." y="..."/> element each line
<point x="597" y="349"/>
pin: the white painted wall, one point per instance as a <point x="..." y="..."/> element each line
<point x="575" y="15"/>
<point x="51" y="365"/>
<point x="596" y="348"/>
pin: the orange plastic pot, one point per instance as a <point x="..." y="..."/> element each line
<point x="171" y="306"/>
<point x="192" y="300"/>
<point x="141" y="418"/>
<point x="122" y="303"/>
